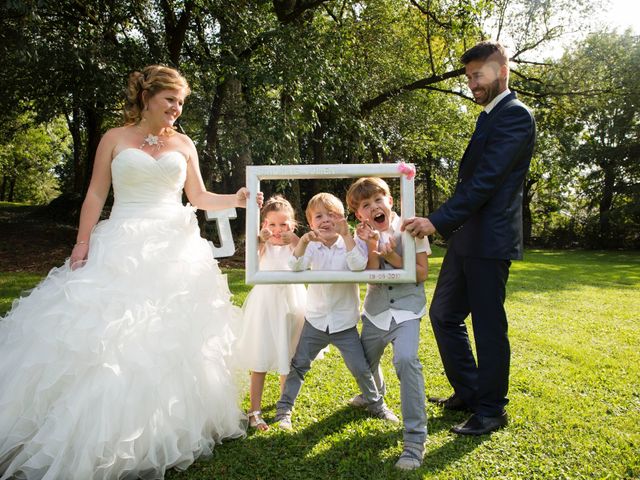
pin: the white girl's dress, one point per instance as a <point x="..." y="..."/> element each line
<point x="120" y="369"/>
<point x="273" y="318"/>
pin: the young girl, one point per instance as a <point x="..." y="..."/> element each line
<point x="274" y="314"/>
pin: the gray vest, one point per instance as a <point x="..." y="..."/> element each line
<point x="401" y="296"/>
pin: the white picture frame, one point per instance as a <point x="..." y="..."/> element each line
<point x="254" y="174"/>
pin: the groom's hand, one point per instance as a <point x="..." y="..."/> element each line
<point x="418" y="227"/>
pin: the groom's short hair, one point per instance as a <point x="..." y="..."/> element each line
<point x="485" y="50"/>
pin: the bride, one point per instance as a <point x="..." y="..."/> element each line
<point x="117" y="364"/>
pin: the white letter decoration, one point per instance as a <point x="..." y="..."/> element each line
<point x="227" y="248"/>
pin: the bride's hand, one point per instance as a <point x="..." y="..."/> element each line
<point x="78" y="255"/>
<point x="243" y="194"/>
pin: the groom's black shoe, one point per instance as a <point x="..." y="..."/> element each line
<point x="480" y="425"/>
<point x="450" y="403"/>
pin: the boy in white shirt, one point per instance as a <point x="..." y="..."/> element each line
<point x="332" y="310"/>
<point x="392" y="312"/>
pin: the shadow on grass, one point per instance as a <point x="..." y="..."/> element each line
<point x="342" y="445"/>
<point x="456" y="446"/>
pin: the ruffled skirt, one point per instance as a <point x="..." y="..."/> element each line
<point x="273" y="320"/>
<point x="120" y="369"/>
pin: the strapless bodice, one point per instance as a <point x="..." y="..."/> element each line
<point x="143" y="185"/>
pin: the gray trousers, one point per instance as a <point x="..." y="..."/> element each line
<point x="348" y="343"/>
<point x="405" y="338"/>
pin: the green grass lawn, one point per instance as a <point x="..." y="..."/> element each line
<point x="575" y="390"/>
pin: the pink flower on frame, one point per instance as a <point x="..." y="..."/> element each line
<point x="407" y="169"/>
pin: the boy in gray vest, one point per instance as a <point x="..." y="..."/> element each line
<point x="392" y="313"/>
<point x="331" y="314"/>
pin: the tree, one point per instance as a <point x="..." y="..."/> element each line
<point x="284" y="81"/>
<point x="600" y="133"/>
<point x="28" y="158"/>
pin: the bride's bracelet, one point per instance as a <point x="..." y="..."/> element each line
<point x="81" y="242"/>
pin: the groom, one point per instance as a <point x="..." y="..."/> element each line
<point x="483" y="224"/>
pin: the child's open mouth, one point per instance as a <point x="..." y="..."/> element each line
<point x="379" y="218"/>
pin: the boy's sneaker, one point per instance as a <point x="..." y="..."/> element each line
<point x="358" y="401"/>
<point x="385" y="413"/>
<point x="283" y="420"/>
<point x="411" y="456"/>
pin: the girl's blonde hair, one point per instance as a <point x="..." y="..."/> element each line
<point x="151" y="79"/>
<point x="278" y="203"/>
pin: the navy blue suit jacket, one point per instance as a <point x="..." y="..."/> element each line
<point x="483" y="218"/>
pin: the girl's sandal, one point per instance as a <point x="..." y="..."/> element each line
<point x="256" y="421"/>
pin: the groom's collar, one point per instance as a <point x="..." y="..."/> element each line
<point x="496" y="100"/>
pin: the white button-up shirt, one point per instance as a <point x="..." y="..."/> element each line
<point x="332" y="306"/>
<point x="496" y="101"/>
<point x="383" y="319"/>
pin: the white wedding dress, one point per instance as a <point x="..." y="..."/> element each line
<point x="120" y="369"/>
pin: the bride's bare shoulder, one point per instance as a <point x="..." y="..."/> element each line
<point x="119" y="130"/>
<point x="186" y="145"/>
<point x="117" y="133"/>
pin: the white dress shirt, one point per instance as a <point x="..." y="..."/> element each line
<point x="383" y="319"/>
<point x="489" y="106"/>
<point x="331" y="307"/>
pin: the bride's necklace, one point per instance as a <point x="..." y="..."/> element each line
<point x="153" y="141"/>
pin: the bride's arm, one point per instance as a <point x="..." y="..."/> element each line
<point x="95" y="198"/>
<point x="198" y="195"/>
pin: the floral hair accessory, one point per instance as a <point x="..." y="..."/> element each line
<point x="407" y="169"/>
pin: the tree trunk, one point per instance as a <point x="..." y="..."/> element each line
<point x="12" y="186"/>
<point x="295" y="199"/>
<point x="606" y="202"/>
<point x="374" y="153"/>
<point x="429" y="187"/>
<point x="233" y="110"/>
<point x="176" y="28"/>
<point x="317" y="157"/>
<point x="239" y="156"/>
<point x="236" y="125"/>
<point x="210" y="152"/>
<point x="94" y="121"/>
<point x="317" y="144"/>
<point x="527" y="219"/>
<point x="3" y="188"/>
<point x="74" y="128"/>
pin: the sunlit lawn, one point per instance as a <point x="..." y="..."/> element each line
<point x="575" y="390"/>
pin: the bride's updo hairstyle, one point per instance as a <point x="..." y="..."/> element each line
<point x="152" y="79"/>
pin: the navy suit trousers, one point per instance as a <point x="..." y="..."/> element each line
<point x="476" y="286"/>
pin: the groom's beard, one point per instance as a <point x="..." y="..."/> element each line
<point x="489" y="92"/>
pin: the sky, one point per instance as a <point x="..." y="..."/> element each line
<point x="615" y="14"/>
<point x="623" y="14"/>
